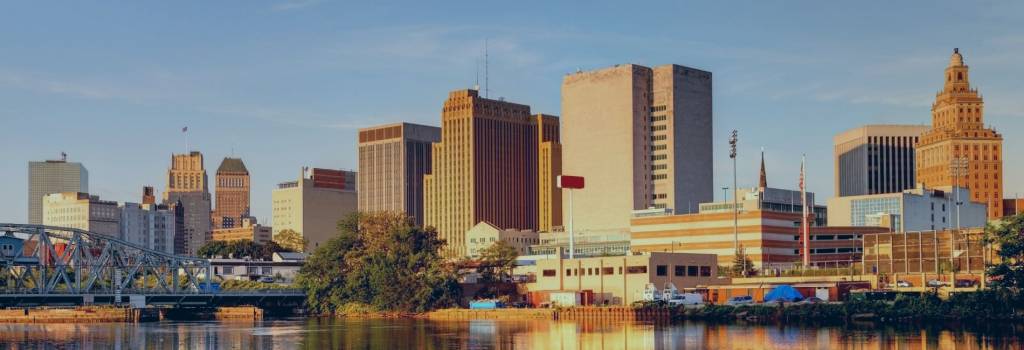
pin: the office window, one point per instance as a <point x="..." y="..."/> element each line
<point x="705" y="271"/>
<point x="661" y="270"/>
<point x="636" y="269"/>
<point x="550" y="273"/>
<point x="568" y="272"/>
<point x="691" y="271"/>
<point x="608" y="271"/>
<point x="680" y="270"/>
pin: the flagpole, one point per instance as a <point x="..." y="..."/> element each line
<point x="803" y="222"/>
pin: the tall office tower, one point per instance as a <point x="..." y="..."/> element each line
<point x="186" y="187"/>
<point x="148" y="225"/>
<point x="312" y="205"/>
<point x="484" y="169"/>
<point x="549" y="166"/>
<point x="875" y="159"/>
<point x="82" y="211"/>
<point x="53" y="176"/>
<point x="958" y="132"/>
<point x="641" y="137"/>
<point x="392" y="161"/>
<point x="232" y="192"/>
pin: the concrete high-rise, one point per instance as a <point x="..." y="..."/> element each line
<point x="313" y="205"/>
<point x="958" y="132"/>
<point x="392" y="161"/>
<point x="232" y="193"/>
<point x="653" y="126"/>
<point x="187" y="187"/>
<point x="874" y="159"/>
<point x="52" y="176"/>
<point x="484" y="169"/>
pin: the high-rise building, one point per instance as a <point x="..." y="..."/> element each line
<point x="959" y="132"/>
<point x="187" y="187"/>
<point x="875" y="159"/>
<point x="313" y="205"/>
<point x="654" y="125"/>
<point x="232" y="193"/>
<point x="82" y="211"/>
<point x="148" y="225"/>
<point x="549" y="166"/>
<point x="53" y="176"/>
<point x="484" y="169"/>
<point x="392" y="161"/>
<point x="1013" y="206"/>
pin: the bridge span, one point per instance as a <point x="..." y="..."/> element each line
<point x="46" y="265"/>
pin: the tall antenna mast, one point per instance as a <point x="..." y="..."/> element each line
<point x="487" y="87"/>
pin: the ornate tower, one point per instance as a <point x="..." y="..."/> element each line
<point x="958" y="131"/>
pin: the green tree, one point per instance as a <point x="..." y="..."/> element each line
<point x="1008" y="239"/>
<point x="381" y="260"/>
<point x="497" y="261"/>
<point x="742" y="266"/>
<point x="292" y="240"/>
<point x="240" y="249"/>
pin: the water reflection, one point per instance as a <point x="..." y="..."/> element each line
<point x="485" y="334"/>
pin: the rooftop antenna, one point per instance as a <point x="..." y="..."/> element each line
<point x="487" y="89"/>
<point x="63" y="156"/>
<point x="476" y="86"/>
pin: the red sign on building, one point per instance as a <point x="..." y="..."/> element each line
<point x="569" y="181"/>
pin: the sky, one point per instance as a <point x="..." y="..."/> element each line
<point x="287" y="83"/>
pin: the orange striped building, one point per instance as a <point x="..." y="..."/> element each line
<point x="769" y="238"/>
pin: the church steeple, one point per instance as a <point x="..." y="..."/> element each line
<point x="763" y="183"/>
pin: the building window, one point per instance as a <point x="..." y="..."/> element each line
<point x="550" y="273"/>
<point x="608" y="271"/>
<point x="661" y="270"/>
<point x="568" y="272"/>
<point x="636" y="269"/>
<point x="680" y="270"/>
<point x="705" y="271"/>
<point x="691" y="271"/>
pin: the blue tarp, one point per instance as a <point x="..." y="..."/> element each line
<point x="784" y="293"/>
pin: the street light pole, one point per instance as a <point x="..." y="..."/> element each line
<point x="733" y="139"/>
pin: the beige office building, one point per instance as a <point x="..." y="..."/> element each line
<point x="641" y="137"/>
<point x="187" y="185"/>
<point x="248" y="229"/>
<point x="392" y="160"/>
<point x="875" y="159"/>
<point x="82" y="211"/>
<point x="484" y="234"/>
<point x="53" y="176"/>
<point x="621" y="280"/>
<point x="313" y="205"/>
<point x="549" y="166"/>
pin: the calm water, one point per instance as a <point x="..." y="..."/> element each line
<point x="421" y="334"/>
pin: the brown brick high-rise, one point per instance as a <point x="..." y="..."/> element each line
<point x="232" y="194"/>
<point x="484" y="169"/>
<point x="958" y="130"/>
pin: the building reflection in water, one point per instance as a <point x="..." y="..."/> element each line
<point x="392" y="334"/>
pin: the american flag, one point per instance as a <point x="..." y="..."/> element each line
<point x="184" y="129"/>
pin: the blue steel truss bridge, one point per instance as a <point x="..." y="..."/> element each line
<point x="45" y="265"/>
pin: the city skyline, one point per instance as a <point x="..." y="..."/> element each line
<point x="139" y="99"/>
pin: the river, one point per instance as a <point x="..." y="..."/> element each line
<point x="394" y="334"/>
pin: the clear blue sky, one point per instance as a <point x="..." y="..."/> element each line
<point x="287" y="83"/>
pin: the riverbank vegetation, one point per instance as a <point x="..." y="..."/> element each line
<point x="381" y="261"/>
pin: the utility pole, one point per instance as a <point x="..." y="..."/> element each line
<point x="733" y="139"/>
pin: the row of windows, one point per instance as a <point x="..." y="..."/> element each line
<point x="660" y="270"/>
<point x="684" y="270"/>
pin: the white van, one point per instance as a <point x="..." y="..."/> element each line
<point x="687" y="299"/>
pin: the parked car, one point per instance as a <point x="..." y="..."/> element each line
<point x="903" y="284"/>
<point x="936" y="283"/>
<point x="686" y="299"/>
<point x="267" y="279"/>
<point x="740" y="300"/>
<point x="965" y="283"/>
<point x="812" y="300"/>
